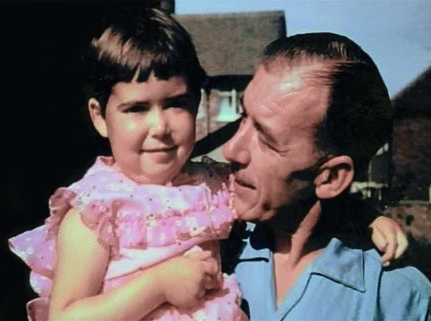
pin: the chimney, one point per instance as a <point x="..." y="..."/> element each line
<point x="168" y="6"/>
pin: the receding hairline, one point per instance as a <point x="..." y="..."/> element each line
<point x="313" y="70"/>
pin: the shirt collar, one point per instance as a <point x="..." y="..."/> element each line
<point x="341" y="264"/>
<point x="336" y="262"/>
<point x="257" y="244"/>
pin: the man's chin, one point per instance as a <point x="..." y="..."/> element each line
<point x="244" y="213"/>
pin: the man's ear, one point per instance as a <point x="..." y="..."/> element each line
<point x="335" y="177"/>
<point x="97" y="117"/>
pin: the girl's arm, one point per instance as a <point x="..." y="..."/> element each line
<point x="389" y="238"/>
<point x="387" y="235"/>
<point x="81" y="267"/>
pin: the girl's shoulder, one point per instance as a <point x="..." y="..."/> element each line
<point x="127" y="214"/>
<point x="208" y="165"/>
<point x="207" y="171"/>
<point x="101" y="174"/>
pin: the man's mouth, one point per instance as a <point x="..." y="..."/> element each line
<point x="243" y="183"/>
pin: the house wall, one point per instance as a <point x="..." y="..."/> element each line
<point x="208" y="119"/>
<point x="412" y="158"/>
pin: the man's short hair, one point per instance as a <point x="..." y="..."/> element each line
<point x="358" y="120"/>
<point x="137" y="42"/>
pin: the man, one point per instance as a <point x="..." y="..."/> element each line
<point x="315" y="113"/>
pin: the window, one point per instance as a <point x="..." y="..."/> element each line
<point x="229" y="108"/>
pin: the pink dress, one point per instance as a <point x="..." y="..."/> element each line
<point x="142" y="225"/>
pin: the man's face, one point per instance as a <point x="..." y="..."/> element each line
<point x="275" y="141"/>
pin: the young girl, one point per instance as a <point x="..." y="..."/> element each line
<point x="135" y="238"/>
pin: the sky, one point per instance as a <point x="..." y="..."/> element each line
<point x="396" y="33"/>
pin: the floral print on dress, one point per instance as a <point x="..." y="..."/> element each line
<point x="141" y="225"/>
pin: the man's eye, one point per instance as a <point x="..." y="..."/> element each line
<point x="243" y="117"/>
<point x="266" y="144"/>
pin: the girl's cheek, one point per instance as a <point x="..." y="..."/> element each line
<point x="130" y="126"/>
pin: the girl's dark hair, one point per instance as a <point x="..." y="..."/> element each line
<point x="136" y="43"/>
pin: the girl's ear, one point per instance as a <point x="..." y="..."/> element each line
<point x="335" y="177"/>
<point x="96" y="117"/>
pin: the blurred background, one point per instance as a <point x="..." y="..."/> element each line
<point x="48" y="140"/>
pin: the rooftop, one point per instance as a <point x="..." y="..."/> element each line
<point x="231" y="43"/>
<point x="414" y="101"/>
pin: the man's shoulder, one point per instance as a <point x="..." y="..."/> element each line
<point x="403" y="291"/>
<point x="399" y="292"/>
<point x="365" y="266"/>
<point x="406" y="278"/>
<point x="396" y="275"/>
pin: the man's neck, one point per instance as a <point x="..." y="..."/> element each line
<point x="294" y="252"/>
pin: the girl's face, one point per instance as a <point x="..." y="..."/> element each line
<point x="150" y="126"/>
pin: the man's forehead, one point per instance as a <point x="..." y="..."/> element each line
<point x="286" y="99"/>
<point x="277" y="83"/>
<point x="273" y="81"/>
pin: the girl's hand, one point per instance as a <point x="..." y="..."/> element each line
<point x="185" y="279"/>
<point x="389" y="238"/>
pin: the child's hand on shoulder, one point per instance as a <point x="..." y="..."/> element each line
<point x="185" y="279"/>
<point x="388" y="236"/>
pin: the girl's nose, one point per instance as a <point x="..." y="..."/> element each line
<point x="159" y="124"/>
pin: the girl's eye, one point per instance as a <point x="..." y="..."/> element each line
<point x="136" y="109"/>
<point x="180" y="106"/>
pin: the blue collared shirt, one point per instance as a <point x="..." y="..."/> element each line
<point x="340" y="284"/>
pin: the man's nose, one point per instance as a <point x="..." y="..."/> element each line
<point x="158" y="122"/>
<point x="236" y="150"/>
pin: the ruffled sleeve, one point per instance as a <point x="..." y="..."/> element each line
<point x="59" y="205"/>
<point x="37" y="247"/>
